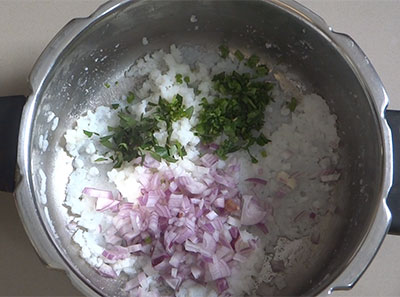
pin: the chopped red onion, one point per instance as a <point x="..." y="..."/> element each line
<point x="149" y="270"/>
<point x="153" y="223"/>
<point x="191" y="223"/>
<point x="173" y="282"/>
<point x="146" y="249"/>
<point x="96" y="193"/>
<point x="161" y="266"/>
<point x="240" y="258"/>
<point x="120" y="221"/>
<point x="218" y="268"/>
<point x="201" y="204"/>
<point x="126" y="206"/>
<point x="191" y="247"/>
<point x="103" y="203"/>
<point x="184" y="235"/>
<point x="163" y="211"/>
<point x="212" y="215"/>
<point x="153" y="196"/>
<point x="117" y="253"/>
<point x="175" y="201"/>
<point x="219" y="202"/>
<point x="131" y="284"/>
<point x="234" y="232"/>
<point x="206" y="259"/>
<point x="155" y="182"/>
<point x="188" y="184"/>
<point x="263" y="228"/>
<point x="217" y="223"/>
<point x="257" y="180"/>
<point x="195" y="201"/>
<point x="215" y="235"/>
<point x="144" y="179"/>
<point x="173" y="186"/>
<point x="199" y="211"/>
<point x="209" y="228"/>
<point x="188" y="226"/>
<point x="224" y="180"/>
<point x="174" y="272"/>
<point x="251" y="212"/>
<point x="143" y="200"/>
<point x="135" y="248"/>
<point x="196" y="271"/>
<point x="143" y="280"/>
<point x="108" y="255"/>
<point x="209" y="244"/>
<point x="209" y="159"/>
<point x="222" y="285"/>
<point x="176" y="259"/>
<point x="129" y="236"/>
<point x="213" y="146"/>
<point x="107" y="271"/>
<point x="150" y="162"/>
<point x="242" y="246"/>
<point x="234" y="221"/>
<point x="223" y="251"/>
<point x="280" y="193"/>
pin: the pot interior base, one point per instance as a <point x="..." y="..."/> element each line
<point x="297" y="42"/>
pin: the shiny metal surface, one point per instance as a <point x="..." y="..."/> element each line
<point x="109" y="41"/>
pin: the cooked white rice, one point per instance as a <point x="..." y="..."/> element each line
<point x="303" y="144"/>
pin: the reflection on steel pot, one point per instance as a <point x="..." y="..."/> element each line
<point x="108" y="41"/>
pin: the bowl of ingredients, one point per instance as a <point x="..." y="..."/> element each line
<point x="205" y="148"/>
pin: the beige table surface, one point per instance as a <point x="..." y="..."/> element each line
<point x="26" y="26"/>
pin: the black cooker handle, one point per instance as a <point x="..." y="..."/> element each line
<point x="393" y="201"/>
<point x="10" y="116"/>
